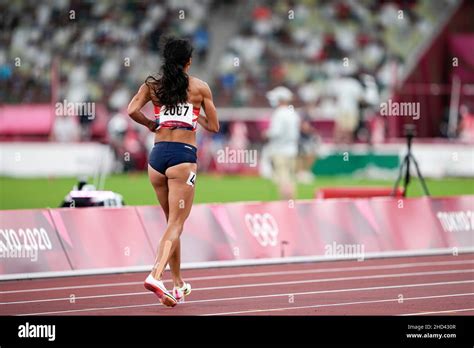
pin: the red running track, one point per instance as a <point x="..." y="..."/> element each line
<point x="432" y="285"/>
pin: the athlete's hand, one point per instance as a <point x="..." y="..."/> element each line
<point x="152" y="125"/>
<point x="135" y="106"/>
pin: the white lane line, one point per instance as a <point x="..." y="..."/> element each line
<point x="259" y="296"/>
<point x="90" y="286"/>
<point x="268" y="296"/>
<point x="259" y="274"/>
<point x="378" y="276"/>
<point x="337" y="304"/>
<point x="252" y="285"/>
<point x="444" y="252"/>
<point x="256" y="296"/>
<point x="156" y="304"/>
<point x="439" y="312"/>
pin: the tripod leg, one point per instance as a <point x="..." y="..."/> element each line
<point x="400" y="173"/>
<point x="422" y="180"/>
<point x="407" y="175"/>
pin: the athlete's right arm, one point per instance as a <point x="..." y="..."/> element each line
<point x="210" y="121"/>
<point x="136" y="104"/>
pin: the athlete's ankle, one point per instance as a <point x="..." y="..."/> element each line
<point x="179" y="283"/>
<point x="156" y="276"/>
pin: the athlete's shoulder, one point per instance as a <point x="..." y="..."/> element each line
<point x="148" y="88"/>
<point x="151" y="82"/>
<point x="199" y="83"/>
<point x="144" y="86"/>
<point x="144" y="89"/>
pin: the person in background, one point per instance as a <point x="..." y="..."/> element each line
<point x="368" y="107"/>
<point x="349" y="92"/>
<point x="282" y="136"/>
<point x="116" y="129"/>
<point x="201" y="42"/>
<point x="66" y="129"/>
<point x="466" y="126"/>
<point x="307" y="147"/>
<point x="85" y="122"/>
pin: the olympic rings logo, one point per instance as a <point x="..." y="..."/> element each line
<point x="263" y="227"/>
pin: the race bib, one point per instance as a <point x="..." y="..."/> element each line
<point x="178" y="115"/>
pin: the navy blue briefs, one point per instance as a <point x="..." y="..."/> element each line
<point x="166" y="154"/>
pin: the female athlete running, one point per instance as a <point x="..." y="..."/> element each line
<point x="177" y="100"/>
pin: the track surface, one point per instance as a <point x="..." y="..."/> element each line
<point x="432" y="285"/>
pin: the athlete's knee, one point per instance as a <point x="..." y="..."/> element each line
<point x="170" y="239"/>
<point x="175" y="228"/>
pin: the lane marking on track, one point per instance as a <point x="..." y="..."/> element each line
<point x="439" y="312"/>
<point x="267" y="296"/>
<point x="378" y="276"/>
<point x="260" y="274"/>
<point x="227" y="313"/>
<point x="294" y="282"/>
<point x="337" y="304"/>
<point x="235" y="263"/>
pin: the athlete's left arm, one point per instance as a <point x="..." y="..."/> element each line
<point x="136" y="104"/>
<point x="210" y="122"/>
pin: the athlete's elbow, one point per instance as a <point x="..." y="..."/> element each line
<point x="132" y="110"/>
<point x="214" y="128"/>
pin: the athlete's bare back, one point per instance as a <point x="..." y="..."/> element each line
<point x="199" y="96"/>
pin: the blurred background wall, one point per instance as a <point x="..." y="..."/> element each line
<point x="334" y="55"/>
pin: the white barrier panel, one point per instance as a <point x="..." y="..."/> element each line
<point x="105" y="239"/>
<point x="54" y="159"/>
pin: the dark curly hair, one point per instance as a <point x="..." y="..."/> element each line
<point x="171" y="88"/>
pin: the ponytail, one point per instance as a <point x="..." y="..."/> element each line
<point x="172" y="86"/>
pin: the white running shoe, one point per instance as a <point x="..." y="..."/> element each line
<point x="157" y="287"/>
<point x="180" y="293"/>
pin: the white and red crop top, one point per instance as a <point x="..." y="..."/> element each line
<point x="181" y="116"/>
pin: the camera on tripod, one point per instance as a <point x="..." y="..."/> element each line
<point x="409" y="131"/>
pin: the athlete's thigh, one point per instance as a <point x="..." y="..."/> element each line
<point x="160" y="185"/>
<point x="181" y="181"/>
